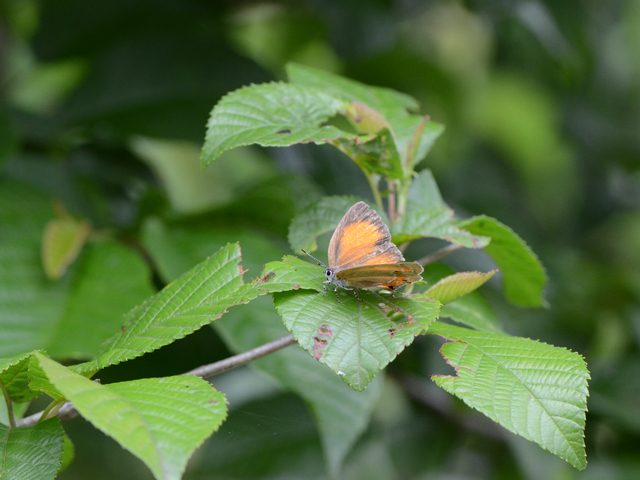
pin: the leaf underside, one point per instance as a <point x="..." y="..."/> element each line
<point x="533" y="389"/>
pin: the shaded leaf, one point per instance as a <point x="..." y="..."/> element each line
<point x="41" y="314"/>
<point x="523" y="275"/>
<point x="458" y="285"/>
<point x="474" y="311"/>
<point x="68" y="453"/>
<point x="30" y="304"/>
<point x="416" y="136"/>
<point x="354" y="338"/>
<point x="31" y="453"/>
<point x="533" y="389"/>
<point x="191" y="189"/>
<point x="196" y="298"/>
<point x="340" y="412"/>
<point x="14" y="375"/>
<point x="320" y="217"/>
<point x="61" y="243"/>
<point x="160" y="420"/>
<point x="106" y="274"/>
<point x="375" y="154"/>
<point x="271" y="115"/>
<point x="424" y="193"/>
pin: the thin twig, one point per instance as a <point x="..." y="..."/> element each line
<point x="437" y="255"/>
<point x="212" y="369"/>
<point x="67" y="411"/>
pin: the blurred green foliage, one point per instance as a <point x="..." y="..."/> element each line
<point x="104" y="109"/>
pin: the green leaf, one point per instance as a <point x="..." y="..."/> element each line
<point x="424" y="193"/>
<point x="523" y="275"/>
<point x="191" y="189"/>
<point x="39" y="381"/>
<point x="355" y="338"/>
<point x="160" y="420"/>
<point x="340" y="412"/>
<point x="416" y="136"/>
<point x="176" y="248"/>
<point x="109" y="279"/>
<point x="388" y="102"/>
<point x="435" y="222"/>
<point x="61" y="243"/>
<point x="375" y="154"/>
<point x="70" y="317"/>
<point x="533" y="389"/>
<point x="392" y="105"/>
<point x="271" y="115"/>
<point x="31" y="453"/>
<point x="14" y="375"/>
<point x="458" y="285"/>
<point x="68" y="453"/>
<point x="472" y="310"/>
<point x="30" y="304"/>
<point x="198" y="297"/>
<point x="320" y="217"/>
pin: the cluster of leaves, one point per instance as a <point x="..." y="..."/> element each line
<point x="532" y="389"/>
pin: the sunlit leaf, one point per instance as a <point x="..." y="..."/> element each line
<point x="458" y="285"/>
<point x="410" y="132"/>
<point x="472" y="310"/>
<point x="271" y="115"/>
<point x="160" y="420"/>
<point x="533" y="389"/>
<point x="435" y="222"/>
<point x="355" y="338"/>
<point x="388" y="102"/>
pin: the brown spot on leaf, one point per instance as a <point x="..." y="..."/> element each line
<point x="123" y="329"/>
<point x="321" y="340"/>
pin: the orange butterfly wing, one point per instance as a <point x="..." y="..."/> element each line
<point x="360" y="239"/>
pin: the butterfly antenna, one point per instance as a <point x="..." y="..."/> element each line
<point x="319" y="262"/>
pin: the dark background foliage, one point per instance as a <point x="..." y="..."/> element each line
<point x="104" y="106"/>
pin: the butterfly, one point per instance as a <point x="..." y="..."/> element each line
<point x="361" y="254"/>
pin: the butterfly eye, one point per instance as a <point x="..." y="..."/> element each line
<point x="328" y="272"/>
